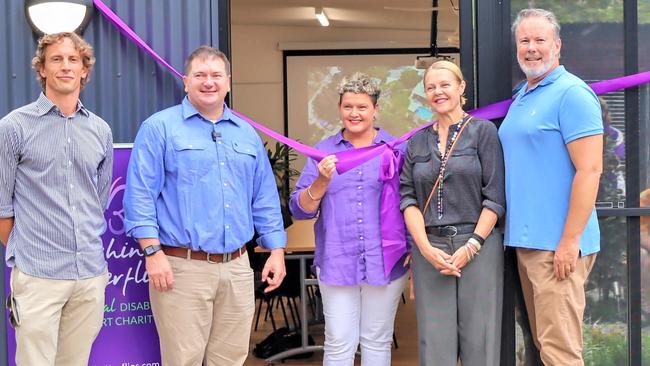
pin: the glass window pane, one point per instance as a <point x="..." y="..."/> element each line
<point x="605" y="324"/>
<point x="611" y="192"/>
<point x="644" y="173"/>
<point x="644" y="201"/>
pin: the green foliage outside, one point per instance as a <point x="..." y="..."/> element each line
<point x="585" y="11"/>
<point x="281" y="159"/>
<point x="606" y="345"/>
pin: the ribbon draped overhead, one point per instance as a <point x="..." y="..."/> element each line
<point x="353" y="158"/>
<point x="393" y="232"/>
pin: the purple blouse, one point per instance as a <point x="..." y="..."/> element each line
<point x="347" y="231"/>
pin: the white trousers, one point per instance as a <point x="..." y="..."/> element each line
<point x="361" y="314"/>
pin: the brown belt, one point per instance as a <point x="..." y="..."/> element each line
<point x="203" y="256"/>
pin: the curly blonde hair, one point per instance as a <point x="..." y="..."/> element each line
<point x="359" y="83"/>
<point x="85" y="51"/>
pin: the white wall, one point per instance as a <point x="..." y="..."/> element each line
<point x="257" y="89"/>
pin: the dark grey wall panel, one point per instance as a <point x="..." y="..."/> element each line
<point x="17" y="79"/>
<point x="126" y="84"/>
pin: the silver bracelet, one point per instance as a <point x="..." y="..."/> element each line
<point x="475" y="243"/>
<point x="311" y="196"/>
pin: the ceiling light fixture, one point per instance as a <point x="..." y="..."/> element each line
<point x="54" y="16"/>
<point x="322" y="17"/>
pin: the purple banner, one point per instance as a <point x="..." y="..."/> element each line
<point x="128" y="337"/>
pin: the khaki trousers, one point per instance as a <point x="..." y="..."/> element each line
<point x="555" y="308"/>
<point x="59" y="319"/>
<point x="207" y="316"/>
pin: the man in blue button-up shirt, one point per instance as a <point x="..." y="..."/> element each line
<point x="199" y="183"/>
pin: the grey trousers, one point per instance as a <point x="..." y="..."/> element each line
<point x="460" y="317"/>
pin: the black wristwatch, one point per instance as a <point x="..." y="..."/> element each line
<point x="151" y="250"/>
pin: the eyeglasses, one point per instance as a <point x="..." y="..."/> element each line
<point x="12" y="306"/>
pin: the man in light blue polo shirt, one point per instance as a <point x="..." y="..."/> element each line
<point x="199" y="183"/>
<point x="553" y="148"/>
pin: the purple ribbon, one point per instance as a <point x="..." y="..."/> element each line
<point x="393" y="232"/>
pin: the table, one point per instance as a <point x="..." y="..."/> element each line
<point x="300" y="246"/>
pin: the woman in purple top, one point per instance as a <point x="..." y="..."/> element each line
<point x="359" y="302"/>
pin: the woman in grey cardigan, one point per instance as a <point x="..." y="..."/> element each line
<point x="452" y="194"/>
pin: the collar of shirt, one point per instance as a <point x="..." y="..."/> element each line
<point x="382" y="137"/>
<point x="44" y="105"/>
<point x="549" y="79"/>
<point x="227" y="115"/>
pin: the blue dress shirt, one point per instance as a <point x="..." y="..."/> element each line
<point x="196" y="184"/>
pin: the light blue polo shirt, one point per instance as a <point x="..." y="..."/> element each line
<point x="539" y="171"/>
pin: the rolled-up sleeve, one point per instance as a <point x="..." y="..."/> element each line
<point x="267" y="217"/>
<point x="144" y="181"/>
<point x="490" y="155"/>
<point x="406" y="186"/>
<point x="8" y="166"/>
<point x="307" y="177"/>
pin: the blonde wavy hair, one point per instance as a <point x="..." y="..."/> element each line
<point x="85" y="51"/>
<point x="449" y="66"/>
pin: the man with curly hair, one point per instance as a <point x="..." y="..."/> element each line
<point x="56" y="161"/>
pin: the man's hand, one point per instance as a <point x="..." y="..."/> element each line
<point x="566" y="256"/>
<point x="160" y="272"/>
<point x="6" y="225"/>
<point x="274" y="271"/>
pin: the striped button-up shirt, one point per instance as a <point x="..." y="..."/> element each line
<point x="55" y="175"/>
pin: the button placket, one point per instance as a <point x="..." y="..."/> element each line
<point x="69" y="177"/>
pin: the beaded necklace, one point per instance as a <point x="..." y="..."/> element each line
<point x="445" y="158"/>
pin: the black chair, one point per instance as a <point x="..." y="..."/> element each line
<point x="287" y="293"/>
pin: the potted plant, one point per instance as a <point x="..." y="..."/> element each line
<point x="281" y="158"/>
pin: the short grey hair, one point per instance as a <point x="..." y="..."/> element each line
<point x="538" y="13"/>
<point x="359" y="83"/>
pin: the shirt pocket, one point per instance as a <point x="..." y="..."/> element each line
<point x="423" y="167"/>
<point x="344" y="184"/>
<point x="243" y="158"/>
<point x="193" y="158"/>
<point x="464" y="161"/>
<point x="469" y="150"/>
